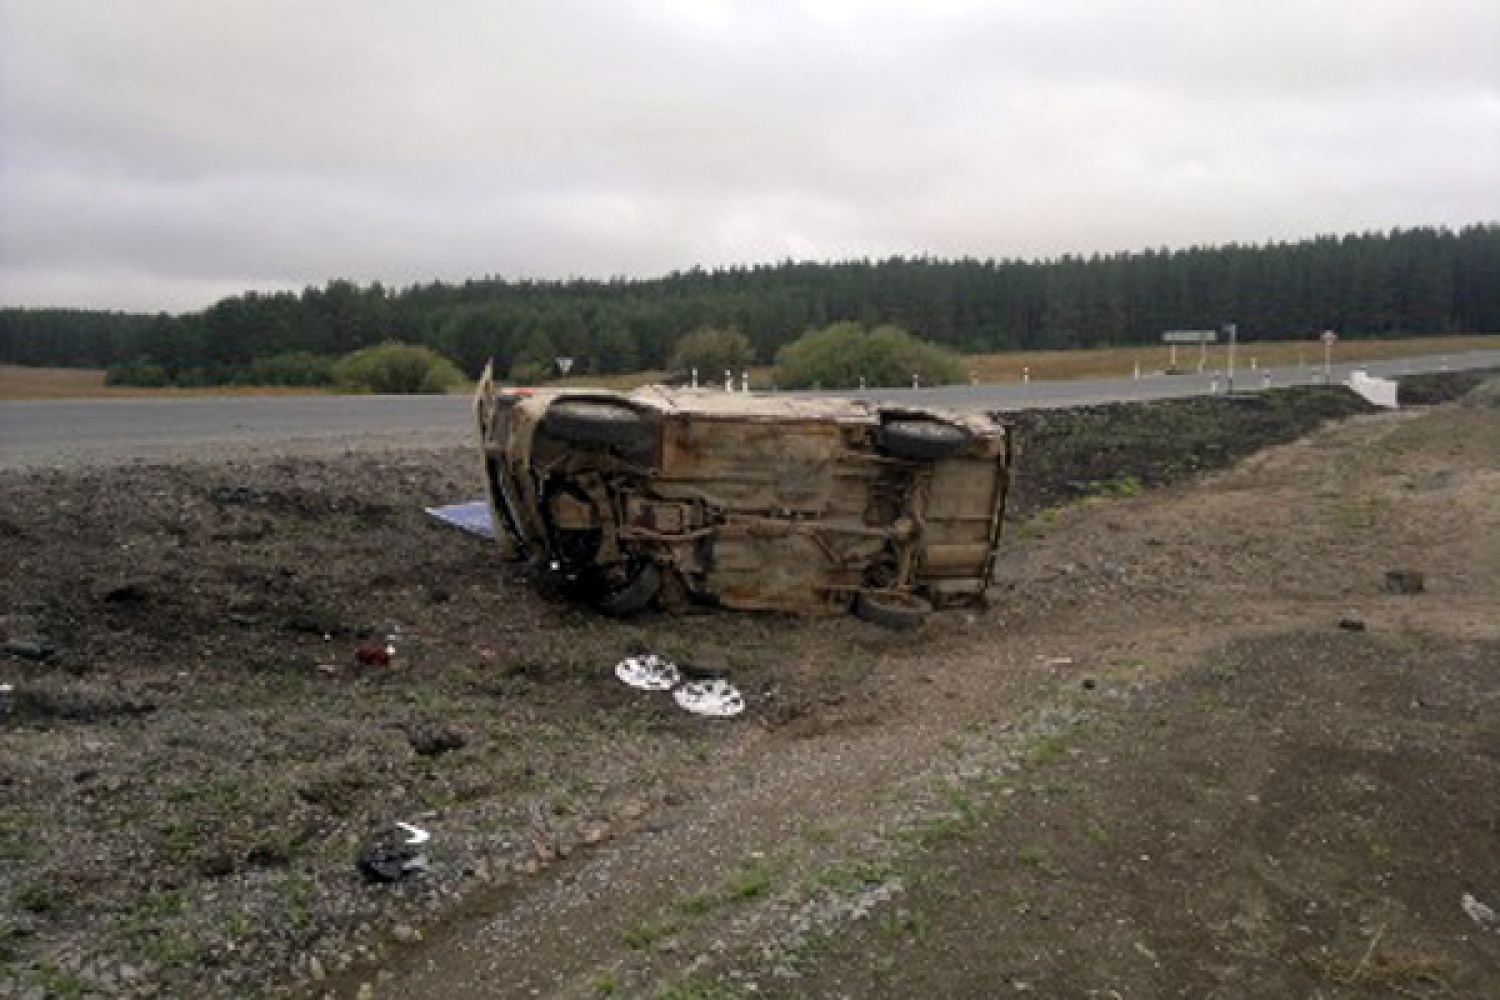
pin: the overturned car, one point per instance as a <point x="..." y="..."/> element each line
<point x="764" y="502"/>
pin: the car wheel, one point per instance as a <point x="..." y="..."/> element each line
<point x="586" y="421"/>
<point x="902" y="612"/>
<point x="922" y="439"/>
<point x="633" y="596"/>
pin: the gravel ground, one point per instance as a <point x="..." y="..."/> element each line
<point x="186" y="780"/>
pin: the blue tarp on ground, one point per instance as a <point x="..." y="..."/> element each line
<point x="472" y="517"/>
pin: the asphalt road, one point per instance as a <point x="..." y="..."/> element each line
<point x="90" y="431"/>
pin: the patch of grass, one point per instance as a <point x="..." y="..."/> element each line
<point x="1222" y="673"/>
<point x="1047" y="749"/>
<point x="647" y="934"/>
<point x="42" y="899"/>
<point x="607" y="983"/>
<point x="13" y="843"/>
<point x="904" y="924"/>
<point x="631" y="719"/>
<point x="1380" y="971"/>
<point x="296" y="902"/>
<point x="151" y="928"/>
<point x="963" y="805"/>
<point x="1055" y="789"/>
<point x="60" y="985"/>
<point x="751" y="882"/>
<point x="1360" y="513"/>
<point x="855" y="875"/>
<point x="1209" y="703"/>
<point x="1037" y="857"/>
<point x="1378" y="851"/>
<point x="817" y="835"/>
<point x="939" y="832"/>
<point x="698" y="905"/>
<point x="1096" y="832"/>
<point x="699" y="988"/>
<point x="1123" y="488"/>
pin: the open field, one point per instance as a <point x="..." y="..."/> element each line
<point x="1119" y="362"/>
<point x="18" y="382"/>
<point x="185" y="782"/>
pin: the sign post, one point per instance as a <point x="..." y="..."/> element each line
<point x="1230" y="329"/>
<point x="1200" y="337"/>
<point x="1329" y="338"/>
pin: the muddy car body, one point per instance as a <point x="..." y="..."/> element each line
<point x="766" y="502"/>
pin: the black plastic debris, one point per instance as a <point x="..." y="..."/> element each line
<point x="1352" y="623"/>
<point x="28" y="649"/>
<point x="386" y="864"/>
<point x="394" y="854"/>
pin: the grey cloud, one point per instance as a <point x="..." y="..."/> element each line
<point x="161" y="154"/>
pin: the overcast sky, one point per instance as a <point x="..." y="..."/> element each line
<point x="160" y="154"/>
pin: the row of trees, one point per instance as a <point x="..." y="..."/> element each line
<point x="1405" y="282"/>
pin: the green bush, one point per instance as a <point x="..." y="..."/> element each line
<point x="712" y="352"/>
<point x="141" y="373"/>
<point x="840" y="356"/>
<point x="394" y="367"/>
<point x="299" y="368"/>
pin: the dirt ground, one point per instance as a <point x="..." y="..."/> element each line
<point x="1157" y="766"/>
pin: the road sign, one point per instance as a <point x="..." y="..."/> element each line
<point x="565" y="365"/>
<point x="1329" y="338"/>
<point x="1190" y="337"/>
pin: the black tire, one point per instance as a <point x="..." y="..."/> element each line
<point x="597" y="422"/>
<point x="922" y="439"/>
<point x="634" y="596"/>
<point x="902" y="612"/>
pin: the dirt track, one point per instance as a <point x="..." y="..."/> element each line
<point x="186" y="781"/>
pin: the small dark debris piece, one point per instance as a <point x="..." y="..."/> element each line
<point x="1352" y="623"/>
<point x="390" y="856"/>
<point x="1405" y="581"/>
<point x="372" y="654"/>
<point x="268" y="854"/>
<point x="216" y="865"/>
<point x="713" y="669"/>
<point x="434" y="741"/>
<point x="124" y="592"/>
<point x="28" y="649"/>
<point x="1089" y="684"/>
<point x="239" y="495"/>
<point x="388" y="864"/>
<point x="311" y="625"/>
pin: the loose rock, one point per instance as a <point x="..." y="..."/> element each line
<point x="1405" y="581"/>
